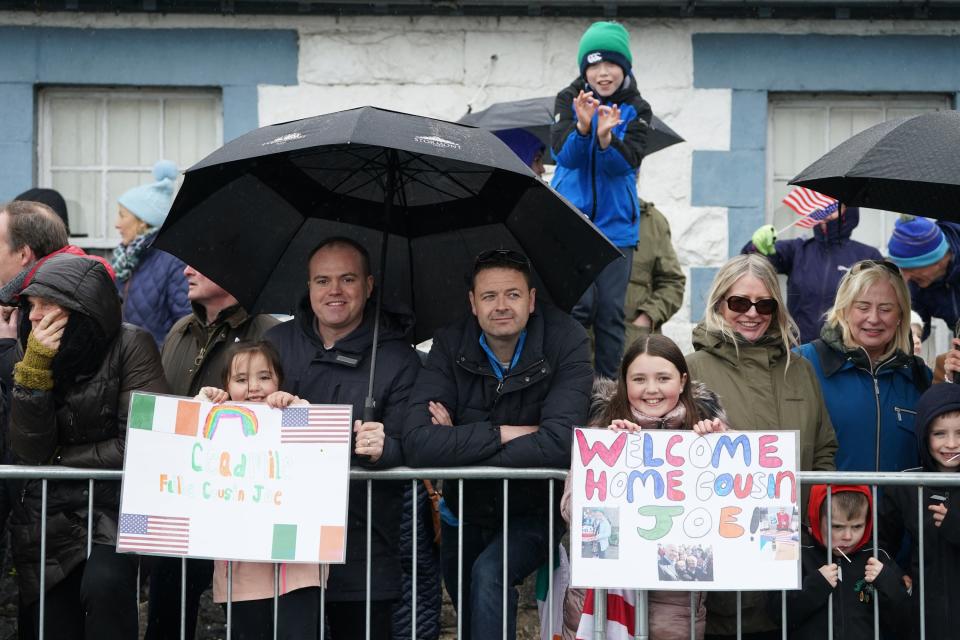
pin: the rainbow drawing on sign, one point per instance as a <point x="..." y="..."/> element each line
<point x="218" y="414"/>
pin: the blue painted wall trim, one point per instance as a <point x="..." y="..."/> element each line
<point x="769" y="62"/>
<point x="751" y="65"/>
<point x="700" y="280"/>
<point x="234" y="60"/>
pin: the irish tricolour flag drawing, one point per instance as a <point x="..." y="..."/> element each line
<point x="235" y="481"/>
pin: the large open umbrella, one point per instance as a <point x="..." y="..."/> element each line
<point x="536" y="116"/>
<point x="909" y="165"/>
<point x="425" y="196"/>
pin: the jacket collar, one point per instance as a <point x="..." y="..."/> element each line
<point x="768" y="350"/>
<point x="837" y="356"/>
<point x="471" y="356"/>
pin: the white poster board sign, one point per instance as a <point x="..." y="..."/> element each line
<point x="235" y="481"/>
<point x="673" y="510"/>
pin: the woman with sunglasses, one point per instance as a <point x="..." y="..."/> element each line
<point x="743" y="355"/>
<point x="871" y="380"/>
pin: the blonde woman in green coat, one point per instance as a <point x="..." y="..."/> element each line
<point x="743" y="353"/>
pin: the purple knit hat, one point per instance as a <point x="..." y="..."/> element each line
<point x="916" y="243"/>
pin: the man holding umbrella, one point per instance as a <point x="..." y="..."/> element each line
<point x="325" y="351"/>
<point x="504" y="386"/>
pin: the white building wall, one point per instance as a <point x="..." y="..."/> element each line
<point x="439" y="66"/>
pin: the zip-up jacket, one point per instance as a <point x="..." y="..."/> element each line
<point x="340" y="376"/>
<point x="602" y="183"/>
<point x="814" y="267"/>
<point x="898" y="516"/>
<point x="871" y="405"/>
<point x="942" y="298"/>
<point x="194" y="352"/>
<point x="852" y="597"/>
<point x="548" y="387"/>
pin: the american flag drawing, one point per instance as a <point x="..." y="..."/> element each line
<point x="154" y="534"/>
<point x="813" y="206"/>
<point x="329" y="424"/>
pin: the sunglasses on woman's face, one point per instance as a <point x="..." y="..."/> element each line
<point x="739" y="304"/>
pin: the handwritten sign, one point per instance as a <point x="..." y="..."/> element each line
<point x="236" y="481"/>
<point x="685" y="512"/>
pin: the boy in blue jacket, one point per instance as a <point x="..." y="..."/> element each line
<point x="599" y="139"/>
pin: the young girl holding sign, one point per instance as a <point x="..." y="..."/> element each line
<point x="253" y="374"/>
<point x="653" y="391"/>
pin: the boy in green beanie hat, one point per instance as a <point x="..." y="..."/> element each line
<point x="599" y="139"/>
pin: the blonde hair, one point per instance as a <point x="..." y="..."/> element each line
<point x="759" y="267"/>
<point x="855" y="282"/>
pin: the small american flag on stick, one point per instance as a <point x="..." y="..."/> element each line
<point x="316" y="424"/>
<point x="143" y="533"/>
<point x="813" y="206"/>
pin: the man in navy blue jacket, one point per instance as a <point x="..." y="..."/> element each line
<point x="502" y="387"/>
<point x="325" y="351"/>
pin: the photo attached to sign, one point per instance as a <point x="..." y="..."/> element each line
<point x="674" y="508"/>
<point x="235" y="481"/>
<point x="600" y="533"/>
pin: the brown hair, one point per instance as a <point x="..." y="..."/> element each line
<point x="659" y="346"/>
<point x="250" y="347"/>
<point x="845" y="503"/>
<point x="35" y="225"/>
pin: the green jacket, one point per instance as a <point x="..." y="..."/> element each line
<point x="194" y="353"/>
<point x="656" y="279"/>
<point x="759" y="392"/>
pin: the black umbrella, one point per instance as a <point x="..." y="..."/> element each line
<point x="250" y="212"/>
<point x="536" y="116"/>
<point x="909" y="165"/>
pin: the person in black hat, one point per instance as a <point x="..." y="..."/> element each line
<point x="49" y="197"/>
<point x="937" y="426"/>
<point x="599" y="139"/>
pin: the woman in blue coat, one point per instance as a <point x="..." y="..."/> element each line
<point x="870" y="380"/>
<point x="151" y="281"/>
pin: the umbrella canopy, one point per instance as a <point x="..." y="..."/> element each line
<point x="249" y="214"/>
<point x="536" y="116"/>
<point x="908" y="165"/>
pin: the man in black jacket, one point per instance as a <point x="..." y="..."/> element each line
<point x="325" y="351"/>
<point x="503" y="387"/>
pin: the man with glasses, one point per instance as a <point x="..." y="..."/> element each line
<point x="502" y="387"/>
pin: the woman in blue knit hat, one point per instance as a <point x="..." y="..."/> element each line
<point x="151" y="281"/>
<point x="598" y="139"/>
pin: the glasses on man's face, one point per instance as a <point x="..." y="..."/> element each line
<point x="764" y="306"/>
<point x="501" y="255"/>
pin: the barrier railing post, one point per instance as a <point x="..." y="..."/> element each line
<point x="829" y="541"/>
<point x="551" y="545"/>
<point x="369" y="554"/>
<point x="229" y="600"/>
<point x="276" y="598"/>
<point x="739" y="615"/>
<point x="43" y="555"/>
<point x="599" y="614"/>
<point x="183" y="599"/>
<point x="876" y="554"/>
<point x="504" y="614"/>
<point x="460" y="559"/>
<point x="89" y="517"/>
<point x="413" y="597"/>
<point x="920" y="561"/>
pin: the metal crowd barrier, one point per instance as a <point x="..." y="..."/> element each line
<point x="641" y="621"/>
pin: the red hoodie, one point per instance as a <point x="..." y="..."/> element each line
<point x="818" y="493"/>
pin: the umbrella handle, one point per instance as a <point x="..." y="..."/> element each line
<point x="369" y="409"/>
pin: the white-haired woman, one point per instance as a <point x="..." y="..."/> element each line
<point x="871" y="380"/>
<point x="743" y="354"/>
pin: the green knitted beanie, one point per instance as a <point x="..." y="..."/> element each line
<point x="605" y="41"/>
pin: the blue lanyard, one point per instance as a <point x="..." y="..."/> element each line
<point x="494" y="363"/>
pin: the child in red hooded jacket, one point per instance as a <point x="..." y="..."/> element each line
<point x="854" y="575"/>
